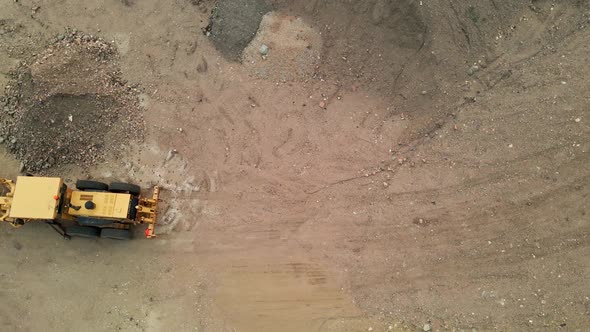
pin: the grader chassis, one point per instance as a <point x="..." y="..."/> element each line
<point x="93" y="209"/>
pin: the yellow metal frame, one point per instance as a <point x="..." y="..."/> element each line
<point x="147" y="212"/>
<point x="147" y="208"/>
<point x="36" y="198"/>
<point x="6" y="200"/>
<point x="107" y="205"/>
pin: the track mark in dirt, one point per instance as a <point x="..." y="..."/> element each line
<point x="275" y="150"/>
<point x="175" y="48"/>
<point x="390" y="169"/>
<point x="211" y="181"/>
<point x="410" y="59"/>
<point x="364" y="119"/>
<point x="225" y="115"/>
<point x="301" y="295"/>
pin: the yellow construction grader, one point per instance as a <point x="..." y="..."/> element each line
<point x="93" y="210"/>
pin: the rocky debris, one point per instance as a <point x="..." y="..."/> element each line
<point x="69" y="105"/>
<point x="233" y="24"/>
<point x="263" y="49"/>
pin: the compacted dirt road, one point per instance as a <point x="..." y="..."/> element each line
<point x="362" y="166"/>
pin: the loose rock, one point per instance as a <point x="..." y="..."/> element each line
<point x="472" y="70"/>
<point x="75" y="78"/>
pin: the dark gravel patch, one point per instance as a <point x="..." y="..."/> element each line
<point x="68" y="105"/>
<point x="233" y="24"/>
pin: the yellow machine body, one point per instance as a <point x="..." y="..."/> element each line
<point x="36" y="198"/>
<point x="47" y="199"/>
<point x="107" y="205"/>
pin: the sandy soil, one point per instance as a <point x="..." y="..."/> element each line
<point x="432" y="175"/>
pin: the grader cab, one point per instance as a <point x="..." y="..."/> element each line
<point x="94" y="209"/>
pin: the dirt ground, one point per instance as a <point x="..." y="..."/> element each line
<point x="429" y="173"/>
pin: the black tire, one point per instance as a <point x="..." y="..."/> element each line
<point x="86" y="221"/>
<point x="89" y="232"/>
<point x="91" y="185"/>
<point x="116" y="234"/>
<point x="121" y="187"/>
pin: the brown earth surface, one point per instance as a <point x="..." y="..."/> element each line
<point x="430" y="173"/>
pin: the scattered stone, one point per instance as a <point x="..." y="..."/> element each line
<point x="424" y="92"/>
<point x="322" y="104"/>
<point x="578" y="119"/>
<point x="1" y="139"/>
<point x="427" y="327"/>
<point x="76" y="76"/>
<point x="263" y="49"/>
<point x="472" y="70"/>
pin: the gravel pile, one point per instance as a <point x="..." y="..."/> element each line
<point x="233" y="24"/>
<point x="68" y="105"/>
